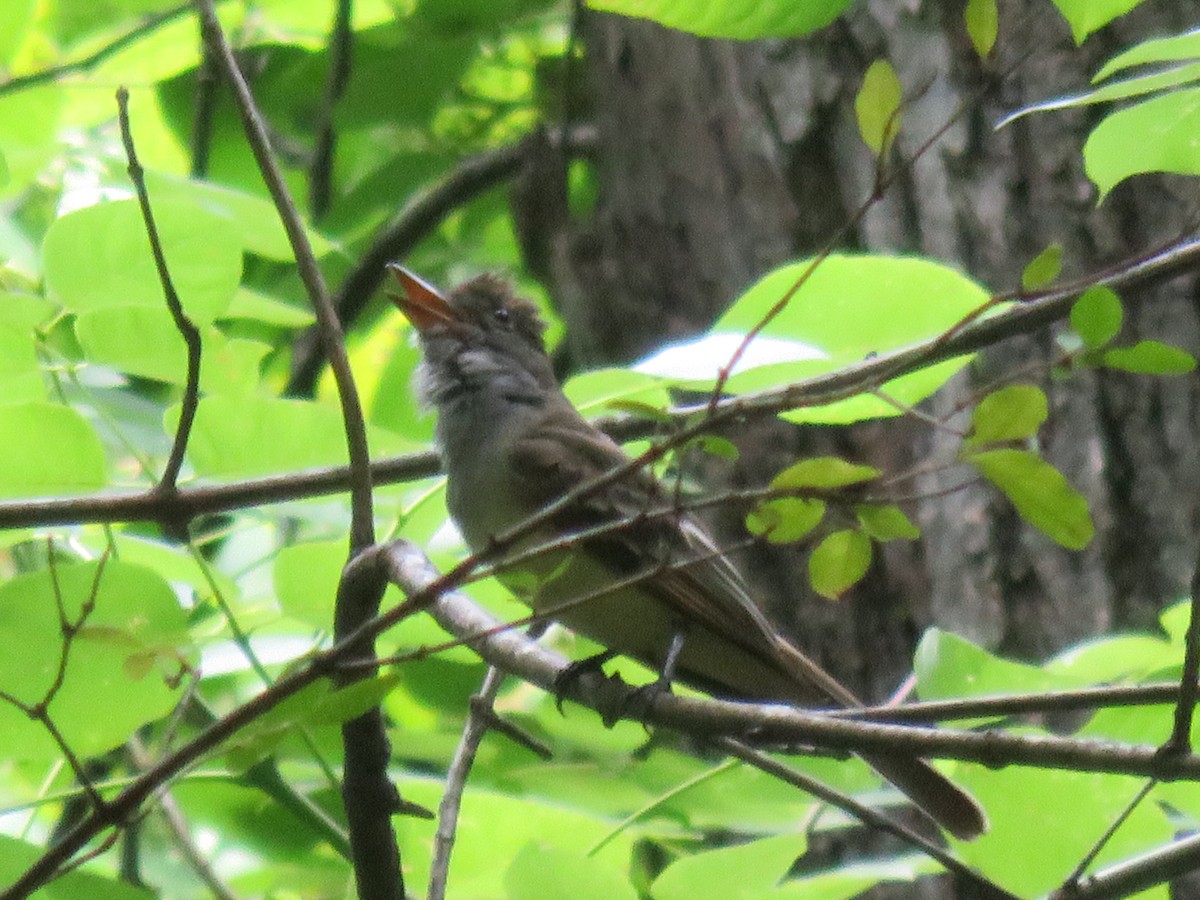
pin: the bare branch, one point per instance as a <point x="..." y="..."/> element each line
<point x="456" y="781"/>
<point x="320" y="171"/>
<point x="362" y="527"/>
<point x="186" y="327"/>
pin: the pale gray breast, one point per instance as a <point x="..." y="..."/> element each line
<point x="475" y="432"/>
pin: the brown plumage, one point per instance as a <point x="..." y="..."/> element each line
<point x="512" y="443"/>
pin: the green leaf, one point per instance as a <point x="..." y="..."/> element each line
<point x="743" y="19"/>
<point x="839" y="562"/>
<point x="947" y="665"/>
<point x="46" y="449"/>
<point x="1134" y="86"/>
<point x="99" y="256"/>
<point x="544" y="870"/>
<point x="248" y="304"/>
<point x="1097" y="316"/>
<point x="20" y="373"/>
<point x="1156" y="135"/>
<point x="1063" y="804"/>
<point x="1042" y="496"/>
<point x="254" y="220"/>
<point x="785" y="520"/>
<point x="851" y="879"/>
<point x="1176" y="48"/>
<point x="246" y="436"/>
<point x="885" y="522"/>
<point x="1043" y="268"/>
<point x="877" y="107"/>
<point x="136" y="626"/>
<point x="1150" y="358"/>
<point x="852" y="307"/>
<point x="752" y="869"/>
<point x="714" y="445"/>
<point x="1009" y="414"/>
<point x="305" y="576"/>
<point x="29" y="126"/>
<point x="143" y="341"/>
<point x="983" y="25"/>
<point x="598" y="390"/>
<point x="824" y="472"/>
<point x="15" y="19"/>
<point x="320" y="704"/>
<point x="1086" y="16"/>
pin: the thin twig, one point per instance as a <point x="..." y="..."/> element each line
<point x="204" y="117"/>
<point x="1102" y="841"/>
<point x="1131" y="876"/>
<point x="362" y="526"/>
<point x="978" y="885"/>
<point x="1181" y="735"/>
<point x="187" y="329"/>
<point x="320" y="172"/>
<point x="1156" y="694"/>
<point x="456" y="781"/>
<point x="178" y="827"/>
<point x="46" y="76"/>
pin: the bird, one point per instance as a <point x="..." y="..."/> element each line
<point x="629" y="569"/>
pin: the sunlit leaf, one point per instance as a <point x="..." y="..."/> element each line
<point x="785" y="520"/>
<point x="983" y="25"/>
<point x="47" y="449"/>
<point x="1043" y="268"/>
<point x="745" y="19"/>
<point x="886" y="522"/>
<point x="877" y="107"/>
<point x="99" y="256"/>
<point x="1176" y="48"/>
<point x="839" y="562"/>
<point x="541" y="870"/>
<point x="135" y="615"/>
<point x="824" y="472"/>
<point x="850" y="308"/>
<point x="1086" y="16"/>
<point x="746" y="869"/>
<point x="1043" y="497"/>
<point x="260" y="435"/>
<point x="1097" y="316"/>
<point x="1008" y="414"/>
<point x="1156" y="135"/>
<point x="1150" y="358"/>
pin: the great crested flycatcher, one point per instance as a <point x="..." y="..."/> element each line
<point x="511" y="444"/>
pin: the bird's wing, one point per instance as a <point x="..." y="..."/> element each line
<point x="697" y="580"/>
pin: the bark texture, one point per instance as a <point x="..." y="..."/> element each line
<point x="719" y="160"/>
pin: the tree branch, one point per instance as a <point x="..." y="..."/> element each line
<point x="186" y="327"/>
<point x="362" y="524"/>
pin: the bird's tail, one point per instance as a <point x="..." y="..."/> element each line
<point x="935" y="794"/>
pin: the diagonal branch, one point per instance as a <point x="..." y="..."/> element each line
<point x="89" y="62"/>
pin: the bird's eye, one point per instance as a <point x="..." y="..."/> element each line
<point x="501" y="314"/>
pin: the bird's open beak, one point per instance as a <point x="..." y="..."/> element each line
<point x="422" y="303"/>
